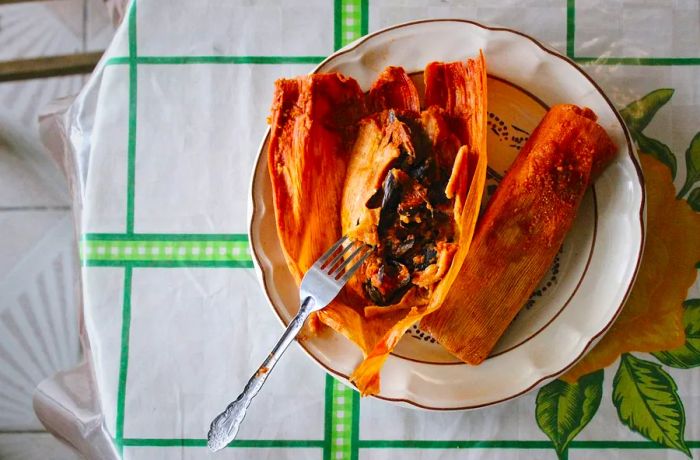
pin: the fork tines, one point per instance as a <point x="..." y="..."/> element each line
<point x="344" y="252"/>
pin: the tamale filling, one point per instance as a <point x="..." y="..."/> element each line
<point x="416" y="223"/>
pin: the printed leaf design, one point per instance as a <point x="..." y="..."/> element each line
<point x="657" y="149"/>
<point x="564" y="409"/>
<point x="694" y="200"/>
<point x="688" y="355"/>
<point x="692" y="165"/>
<point x="647" y="402"/>
<point x="637" y="116"/>
<point x="639" y="113"/>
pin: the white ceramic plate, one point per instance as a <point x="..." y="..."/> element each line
<point x="591" y="277"/>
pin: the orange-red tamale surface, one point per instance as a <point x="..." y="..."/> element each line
<point x="394" y="90"/>
<point x="521" y="231"/>
<point x="312" y="118"/>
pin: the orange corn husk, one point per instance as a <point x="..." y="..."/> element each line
<point x="311" y="122"/>
<point x="394" y="89"/>
<point x="521" y="231"/>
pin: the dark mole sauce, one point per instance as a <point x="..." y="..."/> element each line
<point x="414" y="215"/>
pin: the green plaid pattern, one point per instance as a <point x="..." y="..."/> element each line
<point x="351" y="21"/>
<point x="234" y="253"/>
<point x="343" y="402"/>
<point x="131" y="249"/>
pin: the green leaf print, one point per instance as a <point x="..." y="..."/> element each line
<point x="639" y="113"/>
<point x="692" y="165"/>
<point x="694" y="200"/>
<point x="657" y="149"/>
<point x="647" y="402"/>
<point x="637" y="116"/>
<point x="563" y="409"/>
<point x="687" y="355"/>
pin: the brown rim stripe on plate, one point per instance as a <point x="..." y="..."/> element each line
<point x="632" y="157"/>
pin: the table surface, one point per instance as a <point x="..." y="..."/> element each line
<point x="167" y="272"/>
<point x="38" y="244"/>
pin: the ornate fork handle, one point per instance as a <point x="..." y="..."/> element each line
<point x="321" y="284"/>
<point x="225" y="426"/>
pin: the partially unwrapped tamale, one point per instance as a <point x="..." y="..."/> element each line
<point x="429" y="230"/>
<point x="382" y="168"/>
<point x="521" y="231"/>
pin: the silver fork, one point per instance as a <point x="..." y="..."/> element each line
<point x="320" y="285"/>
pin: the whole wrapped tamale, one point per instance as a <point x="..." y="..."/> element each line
<point x="521" y="231"/>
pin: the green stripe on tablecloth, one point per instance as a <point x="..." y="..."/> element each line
<point x="471" y="444"/>
<point x="238" y="443"/>
<point x="355" y="437"/>
<point x="123" y="359"/>
<point x="350" y="21"/>
<point x="337" y="26"/>
<point x="364" y="17"/>
<point x="510" y="444"/>
<point x="182" y="60"/>
<point x="164" y="251"/>
<point x="638" y="61"/>
<point x="190" y="60"/>
<point x="166" y="236"/>
<point x="131" y="170"/>
<point x="570" y="27"/>
<point x="169" y="263"/>
<point x="133" y="96"/>
<point x="343" y="420"/>
<point x="328" y="423"/>
<point x="403" y="444"/>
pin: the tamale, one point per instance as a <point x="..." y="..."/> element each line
<point x="521" y="231"/>
<point x="376" y="168"/>
<point x="464" y="104"/>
